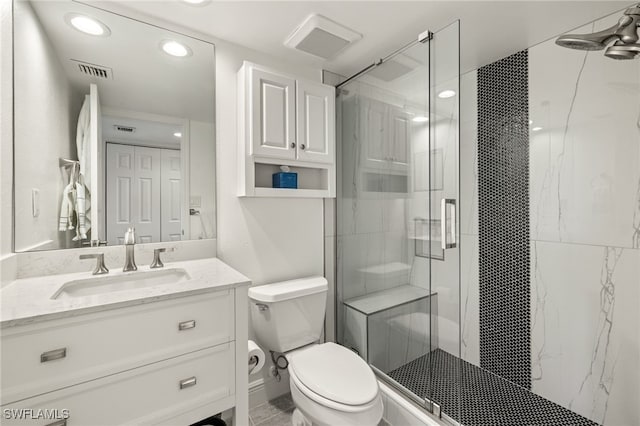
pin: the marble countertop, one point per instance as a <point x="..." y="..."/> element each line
<point x="29" y="300"/>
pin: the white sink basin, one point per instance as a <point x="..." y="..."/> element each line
<point x="122" y="282"/>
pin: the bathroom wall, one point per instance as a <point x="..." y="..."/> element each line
<point x="202" y="160"/>
<point x="584" y="220"/>
<point x="46" y="108"/>
<point x="267" y="239"/>
<point x="585" y="230"/>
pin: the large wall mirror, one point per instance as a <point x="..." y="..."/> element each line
<point x="114" y="128"/>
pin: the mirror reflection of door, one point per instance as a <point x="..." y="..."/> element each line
<point x="62" y="127"/>
<point x="144" y="185"/>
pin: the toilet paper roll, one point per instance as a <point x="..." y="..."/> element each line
<point x="256" y="357"/>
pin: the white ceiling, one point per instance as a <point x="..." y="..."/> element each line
<point x="145" y="79"/>
<point x="489" y="30"/>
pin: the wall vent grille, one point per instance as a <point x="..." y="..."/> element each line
<point x="126" y="129"/>
<point x="95" y="71"/>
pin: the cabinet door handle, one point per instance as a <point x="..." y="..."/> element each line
<point x="187" y="383"/>
<point x="54" y="354"/>
<point x="293" y="144"/>
<point x="186" y="325"/>
<point x="62" y="422"/>
<point x="302" y="146"/>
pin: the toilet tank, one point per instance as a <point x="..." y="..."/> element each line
<point x="289" y="314"/>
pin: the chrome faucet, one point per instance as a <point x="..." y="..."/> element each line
<point x="100" y="268"/>
<point x="130" y="242"/>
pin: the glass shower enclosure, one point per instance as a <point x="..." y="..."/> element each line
<point x="398" y="249"/>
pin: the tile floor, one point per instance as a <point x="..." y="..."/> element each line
<point x="278" y="412"/>
<point x="486" y="397"/>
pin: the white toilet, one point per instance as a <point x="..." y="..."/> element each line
<point x="330" y="384"/>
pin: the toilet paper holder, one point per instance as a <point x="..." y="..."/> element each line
<point x="253" y="363"/>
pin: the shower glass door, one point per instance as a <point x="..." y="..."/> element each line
<point x="398" y="281"/>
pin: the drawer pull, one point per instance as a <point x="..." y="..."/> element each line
<point x="58" y="423"/>
<point x="54" y="354"/>
<point x="187" y="383"/>
<point x="185" y="325"/>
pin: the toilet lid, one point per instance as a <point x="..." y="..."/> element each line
<point x="335" y="373"/>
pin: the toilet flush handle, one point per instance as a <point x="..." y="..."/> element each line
<point x="262" y="307"/>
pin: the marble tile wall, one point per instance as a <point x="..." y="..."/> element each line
<point x="584" y="221"/>
<point x="469" y="242"/>
<point x="585" y="217"/>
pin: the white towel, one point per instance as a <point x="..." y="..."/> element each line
<point x="82" y="203"/>
<point x="66" y="208"/>
<point x="83" y="141"/>
<point x="81" y="207"/>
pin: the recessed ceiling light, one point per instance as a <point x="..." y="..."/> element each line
<point x="173" y="48"/>
<point x="420" y="119"/>
<point x="196" y="2"/>
<point x="87" y="25"/>
<point x="446" y="94"/>
<point x="536" y="129"/>
<point x="177" y="134"/>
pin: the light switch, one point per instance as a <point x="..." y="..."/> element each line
<point x="35" y="202"/>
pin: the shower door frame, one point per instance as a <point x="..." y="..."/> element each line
<point x="425" y="402"/>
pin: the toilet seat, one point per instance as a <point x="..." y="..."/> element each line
<point x="335" y="377"/>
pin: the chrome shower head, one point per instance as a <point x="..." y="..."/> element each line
<point x="623" y="51"/>
<point x="595" y="41"/>
<point x="624" y="33"/>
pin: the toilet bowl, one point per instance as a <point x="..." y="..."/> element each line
<point x="330" y="384"/>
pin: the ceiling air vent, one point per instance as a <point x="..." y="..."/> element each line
<point x="321" y="37"/>
<point x="92" y="70"/>
<point x="125" y="129"/>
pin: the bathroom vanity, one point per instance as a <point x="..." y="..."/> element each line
<point x="164" y="346"/>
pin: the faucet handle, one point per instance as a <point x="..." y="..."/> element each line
<point x="130" y="236"/>
<point x="100" y="268"/>
<point x="157" y="262"/>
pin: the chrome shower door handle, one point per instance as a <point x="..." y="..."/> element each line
<point x="448" y="223"/>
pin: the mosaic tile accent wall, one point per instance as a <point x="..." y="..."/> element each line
<point x="503" y="197"/>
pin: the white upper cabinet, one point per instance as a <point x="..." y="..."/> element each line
<point x="285" y="121"/>
<point x="386" y="131"/>
<point x="273" y="114"/>
<point x="315" y="122"/>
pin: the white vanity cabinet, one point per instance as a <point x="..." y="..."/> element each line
<point x="170" y="361"/>
<point x="285" y="121"/>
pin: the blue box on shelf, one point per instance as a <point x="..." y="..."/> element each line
<point x="285" y="180"/>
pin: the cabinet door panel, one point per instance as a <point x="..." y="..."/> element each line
<point x="272" y="114"/>
<point x="315" y="122"/>
<point x="400" y="138"/>
<point x="375" y="135"/>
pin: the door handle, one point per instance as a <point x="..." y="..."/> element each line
<point x="448" y="223"/>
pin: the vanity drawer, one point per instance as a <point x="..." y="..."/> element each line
<point x="144" y="395"/>
<point x="43" y="357"/>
